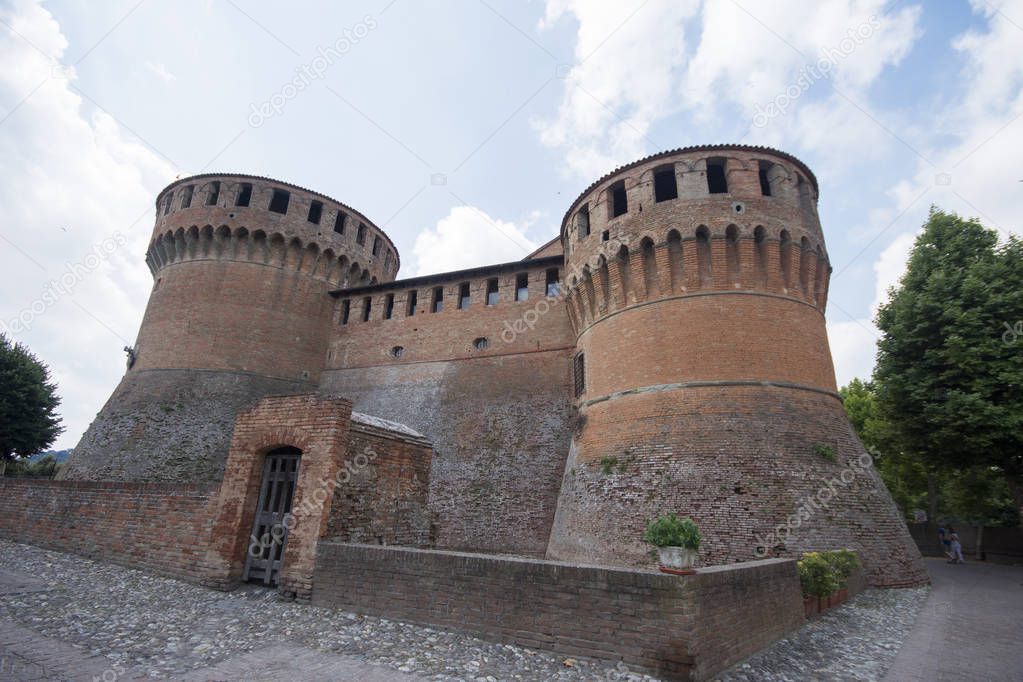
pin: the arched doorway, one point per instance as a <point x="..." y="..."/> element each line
<point x="273" y="519"/>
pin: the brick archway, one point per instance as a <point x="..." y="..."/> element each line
<point x="316" y="425"/>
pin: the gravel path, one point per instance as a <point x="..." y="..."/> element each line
<point x="159" y="627"/>
<point x="856" y="641"/>
<point x="147" y="626"/>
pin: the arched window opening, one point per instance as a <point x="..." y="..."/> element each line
<point x="582" y="221"/>
<point x="665" y="184"/>
<point x="279" y="200"/>
<point x="717" y="182"/>
<point x="244" y="197"/>
<point x="764" y="172"/>
<point x="618" y="200"/>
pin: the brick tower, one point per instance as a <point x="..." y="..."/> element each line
<point x="242" y="267"/>
<point x="697" y="283"/>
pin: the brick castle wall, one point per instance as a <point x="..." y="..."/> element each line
<point x="709" y="386"/>
<point x="384" y="490"/>
<point x="499" y="417"/>
<point x="677" y="627"/>
<point x="161" y="528"/>
<point x="239" y="310"/>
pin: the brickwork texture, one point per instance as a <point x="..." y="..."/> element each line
<point x="677" y="627"/>
<point x="666" y="353"/>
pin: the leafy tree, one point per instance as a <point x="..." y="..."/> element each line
<point x="28" y="402"/>
<point x="949" y="379"/>
<point x="905" y="475"/>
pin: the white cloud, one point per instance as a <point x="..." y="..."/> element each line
<point x="984" y="180"/>
<point x="986" y="123"/>
<point x="77" y="196"/>
<point x="160" y="70"/>
<point x="853" y="347"/>
<point x="466" y="238"/>
<point x="623" y="79"/>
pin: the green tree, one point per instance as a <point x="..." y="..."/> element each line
<point x="949" y="378"/>
<point x="903" y="474"/>
<point x="28" y="403"/>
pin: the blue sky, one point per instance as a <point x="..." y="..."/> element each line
<point x="466" y="128"/>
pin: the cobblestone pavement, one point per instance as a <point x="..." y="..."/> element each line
<point x="971" y="627"/>
<point x="66" y="617"/>
<point x="856" y="641"/>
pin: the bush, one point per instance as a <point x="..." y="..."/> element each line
<point x="825" y="451"/>
<point x="816" y="575"/>
<point x="843" y="563"/>
<point x="671" y="531"/>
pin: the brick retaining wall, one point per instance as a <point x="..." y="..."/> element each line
<point x="679" y="627"/>
<point x="158" y="527"/>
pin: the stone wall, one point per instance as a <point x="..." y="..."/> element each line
<point x="677" y="627"/>
<point x="169" y="425"/>
<point x="742" y="462"/>
<point x="383" y="486"/>
<point x="499" y="416"/>
<point x="160" y="528"/>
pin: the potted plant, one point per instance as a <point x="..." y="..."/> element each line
<point x="677" y="541"/>
<point x="817" y="580"/>
<point x="843" y="564"/>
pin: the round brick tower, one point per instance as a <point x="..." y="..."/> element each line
<point x="697" y="281"/>
<point x="242" y="267"/>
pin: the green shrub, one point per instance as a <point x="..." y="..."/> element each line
<point x="816" y="575"/>
<point x="671" y="531"/>
<point x="843" y="563"/>
<point x="825" y="451"/>
<point x="608" y="464"/>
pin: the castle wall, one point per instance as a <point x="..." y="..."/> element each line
<point x="683" y="628"/>
<point x="160" y="528"/>
<point x="499" y="418"/>
<point x="240" y="309"/>
<point x="705" y="385"/>
<point x="383" y="487"/>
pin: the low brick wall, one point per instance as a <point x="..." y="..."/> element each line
<point x="998" y="545"/>
<point x="159" y="527"/>
<point x="678" y="627"/>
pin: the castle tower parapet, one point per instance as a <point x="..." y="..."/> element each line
<point x="240" y="309"/>
<point x="697" y="283"/>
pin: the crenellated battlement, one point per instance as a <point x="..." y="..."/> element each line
<point x="692" y="222"/>
<point x="667" y="352"/>
<point x="257" y="219"/>
<point x="242" y="245"/>
<point x="672" y="263"/>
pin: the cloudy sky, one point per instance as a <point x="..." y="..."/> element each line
<point x="466" y="128"/>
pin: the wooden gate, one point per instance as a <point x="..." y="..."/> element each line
<point x="273" y="517"/>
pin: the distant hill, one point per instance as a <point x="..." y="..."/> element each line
<point x="58" y="455"/>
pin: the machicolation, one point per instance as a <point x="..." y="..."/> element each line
<point x="674" y="327"/>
